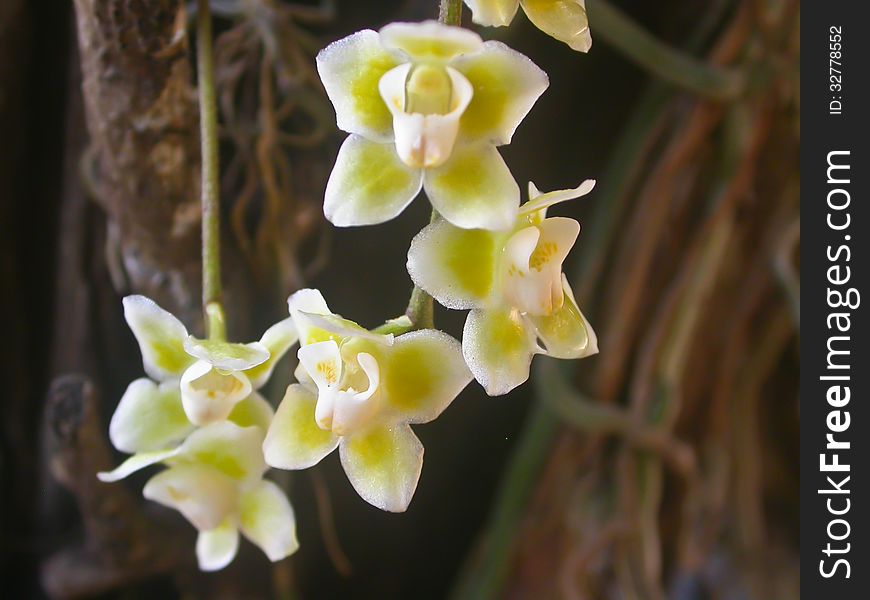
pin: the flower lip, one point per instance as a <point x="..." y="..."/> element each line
<point x="425" y="139"/>
<point x="208" y="394"/>
<point x="341" y="408"/>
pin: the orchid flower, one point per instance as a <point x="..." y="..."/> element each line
<point x="359" y="391"/>
<point x="426" y="104"/>
<point x="206" y="379"/>
<point x="564" y="20"/>
<point x="513" y="283"/>
<point x="215" y="479"/>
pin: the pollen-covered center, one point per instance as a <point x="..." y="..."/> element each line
<point x="542" y="254"/>
<point x="327" y="370"/>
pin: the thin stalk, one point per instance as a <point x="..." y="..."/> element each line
<point x="450" y="12"/>
<point x="660" y="59"/>
<point x="210" y="188"/>
<point x="421" y="309"/>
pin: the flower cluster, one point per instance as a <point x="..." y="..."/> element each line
<point x="426" y="106"/>
<point x="201" y="416"/>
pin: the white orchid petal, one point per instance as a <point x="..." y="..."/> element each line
<point x="519" y="248"/>
<point x="277" y="340"/>
<point x="149" y="417"/>
<point x="566" y="333"/>
<point x="565" y="20"/>
<point x="234" y="451"/>
<point x="136" y="463"/>
<point x="209" y="394"/>
<point x="541" y="202"/>
<point x="383" y="464"/>
<point x="493" y="13"/>
<point x="457" y="267"/>
<point x="350" y="69"/>
<point x="216" y="548"/>
<point x="430" y="40"/>
<point x="369" y="184"/>
<point x="422" y="374"/>
<point x="201" y="493"/>
<point x="311" y="302"/>
<point x="474" y="189"/>
<point x="160" y="336"/>
<point x="322" y="361"/>
<point x="506" y="86"/>
<point x="266" y="518"/>
<point x="294" y="440"/>
<point x="253" y="411"/>
<point x="301" y="375"/>
<point x="498" y="346"/>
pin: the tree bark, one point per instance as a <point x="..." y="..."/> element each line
<point x="144" y="154"/>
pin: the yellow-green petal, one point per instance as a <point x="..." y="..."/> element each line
<point x="277" y="340"/>
<point x="160" y="335"/>
<point x="253" y="411"/>
<point x="303" y="303"/>
<point x="430" y="41"/>
<point x="565" y="20"/>
<point x="421" y="374"/>
<point x="216" y="548"/>
<point x="228" y="356"/>
<point x="498" y="345"/>
<point x="383" y="464"/>
<point x="135" y="463"/>
<point x="294" y="440"/>
<point x="566" y="333"/>
<point x="149" y="417"/>
<point x="204" y="495"/>
<point x="493" y="13"/>
<point x="350" y="69"/>
<point x="536" y="208"/>
<point x="234" y="451"/>
<point x="266" y="518"/>
<point x="474" y="189"/>
<point x="456" y="266"/>
<point x="369" y="184"/>
<point x="506" y="86"/>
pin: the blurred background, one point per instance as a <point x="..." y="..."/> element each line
<point x="664" y="467"/>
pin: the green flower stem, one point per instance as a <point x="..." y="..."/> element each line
<point x="450" y="12"/>
<point x="210" y="192"/>
<point x="215" y="321"/>
<point x="420" y="309"/>
<point x="663" y="61"/>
